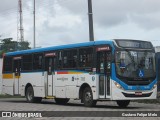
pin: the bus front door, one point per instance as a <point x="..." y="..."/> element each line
<point x="103" y="67"/>
<point x="49" y="75"/>
<point x="17" y="76"/>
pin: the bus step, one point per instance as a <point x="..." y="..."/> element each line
<point x="17" y="95"/>
<point x="50" y="97"/>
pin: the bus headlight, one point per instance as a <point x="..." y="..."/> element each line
<point x="154" y="86"/>
<point x="118" y="85"/>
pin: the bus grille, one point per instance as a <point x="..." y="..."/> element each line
<point x="133" y="95"/>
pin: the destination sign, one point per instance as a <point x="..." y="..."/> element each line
<point x="134" y="44"/>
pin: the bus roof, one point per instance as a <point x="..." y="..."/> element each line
<point x="61" y="47"/>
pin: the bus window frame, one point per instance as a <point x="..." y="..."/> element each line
<point x="92" y="59"/>
<point x="68" y="56"/>
<point x="53" y="54"/>
<point x="42" y="61"/>
<point x="58" y="65"/>
<point x="27" y="63"/>
<point x="4" y="66"/>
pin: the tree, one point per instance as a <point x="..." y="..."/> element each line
<point x="7" y="45"/>
<point x="23" y="45"/>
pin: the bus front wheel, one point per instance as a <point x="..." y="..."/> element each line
<point x="88" y="98"/>
<point x="123" y="103"/>
<point x="30" y="96"/>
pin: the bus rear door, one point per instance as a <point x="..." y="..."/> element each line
<point x="17" y="75"/>
<point x="103" y="68"/>
<point x="49" y="74"/>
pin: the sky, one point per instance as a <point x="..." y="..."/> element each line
<point x="61" y="22"/>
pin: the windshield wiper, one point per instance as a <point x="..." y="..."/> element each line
<point x="142" y="61"/>
<point x="130" y="56"/>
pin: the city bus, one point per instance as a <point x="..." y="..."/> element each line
<point x="120" y="70"/>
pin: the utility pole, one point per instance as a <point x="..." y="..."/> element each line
<point x="90" y="16"/>
<point x="20" y="32"/>
<point x="34" y="26"/>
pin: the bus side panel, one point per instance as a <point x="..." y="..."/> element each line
<point x="68" y="85"/>
<point x="7" y="86"/>
<point x="7" y="90"/>
<point x="91" y="80"/>
<point x="36" y="79"/>
<point x="60" y="85"/>
<point x="94" y="86"/>
<point x="60" y="92"/>
<point x="71" y="92"/>
<point x="71" y="86"/>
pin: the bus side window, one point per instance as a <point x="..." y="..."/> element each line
<point x="59" y="60"/>
<point x="37" y="61"/>
<point x="70" y="59"/>
<point x="85" y="57"/>
<point x="27" y="62"/>
<point x="75" y="60"/>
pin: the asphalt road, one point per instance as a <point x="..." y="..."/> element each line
<point x="48" y="109"/>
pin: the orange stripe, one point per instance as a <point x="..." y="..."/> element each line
<point x="62" y="72"/>
<point x="75" y="72"/>
<point x="17" y="76"/>
<point x="8" y="76"/>
<point x="69" y="72"/>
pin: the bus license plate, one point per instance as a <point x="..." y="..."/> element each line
<point x="138" y="93"/>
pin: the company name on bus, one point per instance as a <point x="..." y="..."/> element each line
<point x="50" y="54"/>
<point x="17" y="58"/>
<point x="107" y="48"/>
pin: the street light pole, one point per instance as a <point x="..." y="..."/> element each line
<point x="90" y="16"/>
<point x="34" y="26"/>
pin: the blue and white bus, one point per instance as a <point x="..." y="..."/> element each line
<point x="119" y="70"/>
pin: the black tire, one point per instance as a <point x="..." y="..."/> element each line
<point x="30" y="96"/>
<point x="123" y="103"/>
<point x="61" y="101"/>
<point x="88" y="98"/>
<point x="37" y="99"/>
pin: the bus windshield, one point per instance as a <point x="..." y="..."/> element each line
<point x="135" y="64"/>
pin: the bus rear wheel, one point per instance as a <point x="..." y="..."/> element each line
<point x="30" y="96"/>
<point x="61" y="101"/>
<point x="88" y="98"/>
<point x="123" y="103"/>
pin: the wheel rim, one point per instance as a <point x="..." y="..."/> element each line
<point x="29" y="95"/>
<point x="88" y="97"/>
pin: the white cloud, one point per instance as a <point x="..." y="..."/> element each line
<point x="66" y="21"/>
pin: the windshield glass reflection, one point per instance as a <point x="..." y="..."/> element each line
<point x="135" y="64"/>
